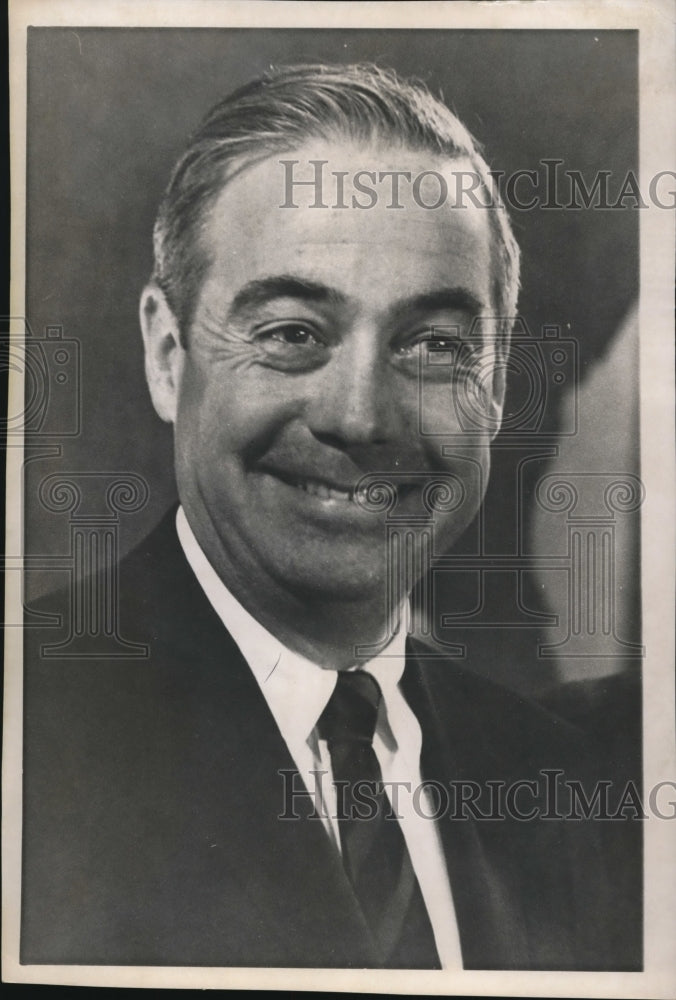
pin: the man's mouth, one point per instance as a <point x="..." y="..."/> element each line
<point x="326" y="489"/>
<point x="320" y="488"/>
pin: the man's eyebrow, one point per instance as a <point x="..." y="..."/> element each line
<point x="438" y="300"/>
<point x="260" y="291"/>
<point x="263" y="290"/>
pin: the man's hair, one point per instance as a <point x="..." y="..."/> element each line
<point x="283" y="110"/>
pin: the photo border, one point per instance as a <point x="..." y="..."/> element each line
<point x="655" y="24"/>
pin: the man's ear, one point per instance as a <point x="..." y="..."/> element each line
<point x="499" y="387"/>
<point x="164" y="354"/>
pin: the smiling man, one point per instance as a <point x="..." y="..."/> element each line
<point x="259" y="791"/>
<point x="298" y="374"/>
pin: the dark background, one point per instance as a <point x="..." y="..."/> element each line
<point x="109" y="110"/>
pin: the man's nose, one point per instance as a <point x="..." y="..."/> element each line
<point x="353" y="403"/>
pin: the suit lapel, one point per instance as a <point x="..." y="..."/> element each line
<point x="490" y="917"/>
<point x="286" y="869"/>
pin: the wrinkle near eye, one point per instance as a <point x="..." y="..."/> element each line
<point x="240" y="347"/>
<point x="219" y="342"/>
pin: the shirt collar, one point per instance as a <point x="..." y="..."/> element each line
<point x="295" y="688"/>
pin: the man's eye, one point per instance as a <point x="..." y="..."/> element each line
<point x="427" y="340"/>
<point x="290" y="334"/>
<point x="293" y="347"/>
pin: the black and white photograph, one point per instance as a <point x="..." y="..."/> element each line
<point x="340" y="471"/>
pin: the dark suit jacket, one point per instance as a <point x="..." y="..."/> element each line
<point x="152" y="797"/>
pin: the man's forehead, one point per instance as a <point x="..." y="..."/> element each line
<point x="339" y="219"/>
<point x="366" y="179"/>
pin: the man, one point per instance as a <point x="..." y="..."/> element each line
<point x="259" y="790"/>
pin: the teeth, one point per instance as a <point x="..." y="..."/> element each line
<point x="323" y="491"/>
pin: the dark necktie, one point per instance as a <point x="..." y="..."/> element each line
<point x="374" y="851"/>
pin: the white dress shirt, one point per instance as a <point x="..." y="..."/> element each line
<point x="296" y="691"/>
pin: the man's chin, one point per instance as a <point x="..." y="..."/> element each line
<point x="338" y="584"/>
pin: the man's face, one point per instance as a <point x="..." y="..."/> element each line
<point x="302" y="373"/>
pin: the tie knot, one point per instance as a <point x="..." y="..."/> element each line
<point x="352" y="710"/>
